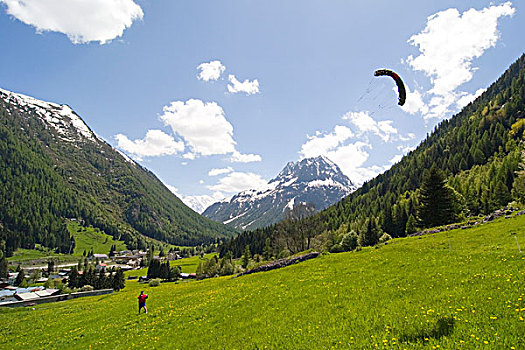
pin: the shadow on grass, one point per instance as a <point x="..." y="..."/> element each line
<point x="443" y="327"/>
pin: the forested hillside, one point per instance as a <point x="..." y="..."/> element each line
<point x="478" y="151"/>
<point x="52" y="167"/>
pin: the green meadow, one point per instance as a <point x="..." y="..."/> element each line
<point x="461" y="289"/>
<point x="88" y="238"/>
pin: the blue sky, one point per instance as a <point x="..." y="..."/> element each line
<point x="217" y="96"/>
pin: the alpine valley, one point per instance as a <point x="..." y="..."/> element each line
<point x="54" y="167"/>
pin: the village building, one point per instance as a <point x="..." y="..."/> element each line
<point x="100" y="257"/>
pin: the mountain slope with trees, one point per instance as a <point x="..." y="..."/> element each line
<point x="53" y="167"/>
<point x="478" y="152"/>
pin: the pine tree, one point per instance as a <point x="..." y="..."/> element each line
<point x="411" y="225"/>
<point x="153" y="269"/>
<point x="19" y="277"/>
<point x="267" y="252"/>
<point x="4" y="266"/>
<point x="74" y="278"/>
<point x="149" y="258"/>
<point x="165" y="271"/>
<point x="436" y="200"/>
<point x="370" y="234"/>
<point x="50" y="266"/>
<point x="246" y="257"/>
<point x="100" y="282"/>
<point x="388" y="222"/>
<point x="112" y="250"/>
<point x="118" y="281"/>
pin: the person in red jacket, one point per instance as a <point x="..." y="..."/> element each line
<point x="142" y="301"/>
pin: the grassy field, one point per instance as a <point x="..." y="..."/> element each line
<point x="461" y="289"/>
<point x="87" y="238"/>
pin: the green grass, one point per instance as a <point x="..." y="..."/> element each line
<point x="461" y="289"/>
<point x="39" y="256"/>
<point x="87" y="238"/>
<point x="22" y="254"/>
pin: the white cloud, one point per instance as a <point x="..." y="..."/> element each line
<point x="221" y="171"/>
<point x="350" y="157"/>
<point x="366" y="124"/>
<point x="362" y="174"/>
<point x="244" y="158"/>
<point x="210" y="71"/>
<point x="321" y="144"/>
<point x="449" y="43"/>
<point x="199" y="203"/>
<point x="156" y="143"/>
<point x="405" y="149"/>
<point x="396" y="158"/>
<point x="238" y="181"/>
<point x="466" y="98"/>
<point x="81" y="20"/>
<point x="410" y="136"/>
<point x="414" y="103"/>
<point x="189" y="155"/>
<point x="204" y="128"/>
<point x="248" y="87"/>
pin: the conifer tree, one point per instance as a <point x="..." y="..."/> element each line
<point x="246" y="257"/>
<point x="436" y="200"/>
<point x="411" y="225"/>
<point x="50" y="266"/>
<point x="165" y="271"/>
<point x="370" y="234"/>
<point x="4" y="270"/>
<point x="267" y="252"/>
<point x="74" y="278"/>
<point x="20" y="276"/>
<point x="118" y="281"/>
<point x="100" y="282"/>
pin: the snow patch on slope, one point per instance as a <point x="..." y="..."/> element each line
<point x="60" y="117"/>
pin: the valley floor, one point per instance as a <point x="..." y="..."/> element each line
<point x="461" y="289"/>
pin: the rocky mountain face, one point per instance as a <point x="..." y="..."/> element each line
<point x="54" y="167"/>
<point x="312" y="180"/>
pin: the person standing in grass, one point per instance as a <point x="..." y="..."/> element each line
<point x="142" y="301"/>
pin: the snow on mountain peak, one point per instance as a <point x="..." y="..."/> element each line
<point x="60" y="117"/>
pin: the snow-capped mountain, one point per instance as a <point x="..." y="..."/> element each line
<point x="312" y="180"/>
<point x="68" y="125"/>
